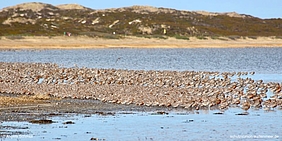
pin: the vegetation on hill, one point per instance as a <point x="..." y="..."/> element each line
<point x="48" y="20"/>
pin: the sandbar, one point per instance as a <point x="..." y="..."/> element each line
<point x="84" y="42"/>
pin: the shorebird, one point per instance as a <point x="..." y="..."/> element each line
<point x="246" y="105"/>
<point x="151" y="88"/>
<point x="252" y="73"/>
<point x="118" y="59"/>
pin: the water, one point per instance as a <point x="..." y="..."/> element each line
<point x="149" y="126"/>
<point x="260" y="60"/>
<point x="266" y="62"/>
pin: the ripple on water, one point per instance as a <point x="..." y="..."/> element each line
<point x="260" y="60"/>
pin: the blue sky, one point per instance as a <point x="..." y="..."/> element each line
<point x="257" y="8"/>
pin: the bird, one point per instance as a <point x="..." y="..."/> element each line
<point x="118" y="59"/>
<point x="246" y="105"/>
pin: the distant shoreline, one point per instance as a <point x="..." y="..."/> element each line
<point x="83" y="42"/>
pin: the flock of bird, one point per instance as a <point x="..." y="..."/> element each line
<point x="180" y="89"/>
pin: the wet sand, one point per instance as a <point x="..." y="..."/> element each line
<point x="80" y="42"/>
<point x="27" y="108"/>
<point x="94" y="120"/>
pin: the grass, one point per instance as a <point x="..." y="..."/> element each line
<point x="221" y="25"/>
<point x="215" y="37"/>
<point x="16" y="37"/>
<point x="157" y="36"/>
<point x="234" y="37"/>
<point x="218" y="38"/>
<point x="252" y="37"/>
<point x="101" y="35"/>
<point x="201" y="37"/>
<point x="110" y="36"/>
<point x="23" y="99"/>
<point x="181" y="37"/>
<point x="144" y="36"/>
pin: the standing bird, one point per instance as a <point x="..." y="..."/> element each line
<point x="118" y="59"/>
<point x="246" y="105"/>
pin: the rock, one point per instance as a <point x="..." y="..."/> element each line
<point x="68" y="122"/>
<point x="42" y="121"/>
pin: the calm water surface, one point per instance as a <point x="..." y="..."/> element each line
<point x="260" y="60"/>
<point x="148" y="126"/>
<point x="258" y="125"/>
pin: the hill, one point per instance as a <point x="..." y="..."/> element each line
<point x="47" y="20"/>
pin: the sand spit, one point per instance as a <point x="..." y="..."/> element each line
<point x="185" y="89"/>
<point x="80" y="42"/>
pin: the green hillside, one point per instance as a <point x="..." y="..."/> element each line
<point x="135" y="21"/>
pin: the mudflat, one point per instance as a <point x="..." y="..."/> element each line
<point x="15" y="107"/>
<point x="81" y="42"/>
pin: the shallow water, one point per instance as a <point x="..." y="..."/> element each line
<point x="260" y="60"/>
<point x="266" y="62"/>
<point x="204" y="125"/>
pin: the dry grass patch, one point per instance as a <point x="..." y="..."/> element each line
<point x="7" y="101"/>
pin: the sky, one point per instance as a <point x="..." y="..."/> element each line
<point x="264" y="9"/>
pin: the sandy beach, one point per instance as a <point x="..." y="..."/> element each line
<point x="80" y="42"/>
